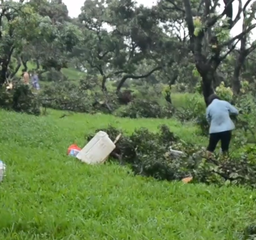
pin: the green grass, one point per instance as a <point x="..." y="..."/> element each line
<point x="47" y="195"/>
<point x="72" y="74"/>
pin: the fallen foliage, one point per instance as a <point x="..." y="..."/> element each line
<point x="148" y="155"/>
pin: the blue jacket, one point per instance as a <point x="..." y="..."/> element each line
<point x="217" y="114"/>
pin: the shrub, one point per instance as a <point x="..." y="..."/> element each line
<point x="245" y="122"/>
<point x="89" y="82"/>
<point x="223" y="92"/>
<point x="141" y="108"/>
<point x="20" y="99"/>
<point x="192" y="109"/>
<point x="105" y="102"/>
<point x="181" y="87"/>
<point x="148" y="154"/>
<point x="129" y="148"/>
<point x="66" y="96"/>
<point x="125" y="97"/>
<point x="250" y="232"/>
<point x="69" y="96"/>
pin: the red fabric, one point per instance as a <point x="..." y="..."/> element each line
<point x="73" y="146"/>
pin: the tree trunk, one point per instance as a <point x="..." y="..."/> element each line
<point x="218" y="78"/>
<point x="103" y="85"/>
<point x="16" y="69"/>
<point x="208" y="74"/>
<point x="207" y="86"/>
<point x="5" y="61"/>
<point x="3" y="72"/>
<point x="24" y="63"/>
<point x="168" y="98"/>
<point x="236" y="84"/>
<point x="37" y="65"/>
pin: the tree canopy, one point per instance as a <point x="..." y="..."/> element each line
<point x="184" y="41"/>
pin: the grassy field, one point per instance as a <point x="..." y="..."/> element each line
<point x="47" y="195"/>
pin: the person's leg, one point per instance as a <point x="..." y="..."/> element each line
<point x="37" y="87"/>
<point x="225" y="141"/>
<point x="213" y="141"/>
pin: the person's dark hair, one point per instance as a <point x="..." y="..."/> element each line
<point x="211" y="98"/>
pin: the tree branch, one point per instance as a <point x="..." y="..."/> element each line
<point x="239" y="36"/>
<point x="16" y="69"/>
<point x="238" y="15"/>
<point x="189" y="18"/>
<point x="10" y="54"/>
<point x="214" y="19"/>
<point x="207" y="8"/>
<point x="240" y="10"/>
<point x="251" y="49"/>
<point x="125" y="77"/>
<point x="229" y="51"/>
<point x="215" y="6"/>
<point x="175" y="6"/>
<point x="103" y="55"/>
<point x="246" y="5"/>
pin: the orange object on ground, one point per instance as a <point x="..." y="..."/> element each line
<point x="73" y="147"/>
<point x="187" y="179"/>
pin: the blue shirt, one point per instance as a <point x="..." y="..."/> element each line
<point x="217" y="114"/>
<point x="35" y="79"/>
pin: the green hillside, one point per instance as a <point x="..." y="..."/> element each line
<point x="47" y="195"/>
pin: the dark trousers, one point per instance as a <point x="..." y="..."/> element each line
<point x="224" y="137"/>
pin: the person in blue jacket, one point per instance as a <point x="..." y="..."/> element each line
<point x="221" y="126"/>
<point x="35" y="81"/>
